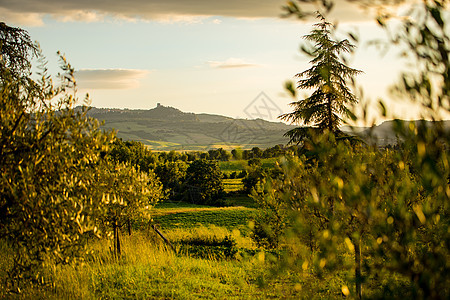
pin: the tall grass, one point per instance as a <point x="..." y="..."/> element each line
<point x="149" y="270"/>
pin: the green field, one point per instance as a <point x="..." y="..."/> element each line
<point x="239" y="165"/>
<point x="231" y="218"/>
<point x="149" y="269"/>
<point x="233" y="185"/>
<point x="233" y="165"/>
<point x="186" y="215"/>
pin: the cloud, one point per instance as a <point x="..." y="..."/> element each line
<point x="20" y="18"/>
<point x="161" y="10"/>
<point x="110" y="79"/>
<point x="230" y="63"/>
<point x="81" y="16"/>
<point x="184" y="19"/>
<point x="145" y="9"/>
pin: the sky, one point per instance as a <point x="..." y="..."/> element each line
<point x="220" y="57"/>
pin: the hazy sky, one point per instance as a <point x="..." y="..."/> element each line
<point x="200" y="56"/>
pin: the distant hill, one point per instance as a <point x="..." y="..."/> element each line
<point x="385" y="133"/>
<point x="167" y="128"/>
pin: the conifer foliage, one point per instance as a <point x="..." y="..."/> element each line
<point x="326" y="107"/>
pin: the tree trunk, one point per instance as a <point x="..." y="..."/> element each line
<point x="116" y="240"/>
<point x="311" y="240"/>
<point x="330" y="114"/>
<point x="129" y="226"/>
<point x="358" y="278"/>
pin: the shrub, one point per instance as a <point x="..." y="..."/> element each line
<point x="204" y="184"/>
<point x="253" y="178"/>
<point x="172" y="175"/>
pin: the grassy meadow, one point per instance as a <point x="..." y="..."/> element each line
<point x="149" y="269"/>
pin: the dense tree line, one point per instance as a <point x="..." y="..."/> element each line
<point x="173" y="168"/>
<point x="138" y="154"/>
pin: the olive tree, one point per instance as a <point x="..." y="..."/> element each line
<point x="49" y="153"/>
<point x="396" y="203"/>
<point x="54" y="178"/>
<point x="127" y="194"/>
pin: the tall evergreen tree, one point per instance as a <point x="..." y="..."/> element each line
<point x="326" y="106"/>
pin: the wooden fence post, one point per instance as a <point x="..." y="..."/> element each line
<point x="164" y="238"/>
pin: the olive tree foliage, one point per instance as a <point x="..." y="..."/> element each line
<point x="127" y="194"/>
<point x="53" y="174"/>
<point x="270" y="220"/>
<point x="48" y="156"/>
<point x="389" y="209"/>
<point x="133" y="153"/>
<point x="129" y="188"/>
<point x="351" y="198"/>
<point x="426" y="36"/>
<point x="328" y="76"/>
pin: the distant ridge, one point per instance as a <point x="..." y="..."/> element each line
<point x="158" y="113"/>
<point x="166" y="128"/>
<point x="384" y="134"/>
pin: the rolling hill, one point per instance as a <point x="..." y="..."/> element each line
<point x="385" y="133"/>
<point x="166" y="128"/>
